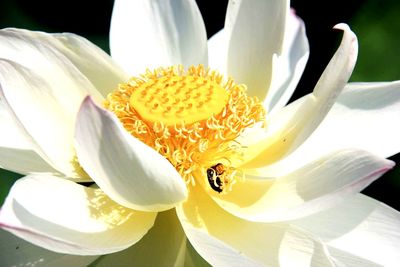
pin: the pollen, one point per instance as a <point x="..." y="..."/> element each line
<point x="191" y="117"/>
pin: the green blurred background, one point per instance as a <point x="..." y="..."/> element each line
<point x="376" y="23"/>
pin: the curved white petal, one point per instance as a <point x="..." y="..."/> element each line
<point x="91" y="61"/>
<point x="364" y="116"/>
<point x="17" y="152"/>
<point x="49" y="59"/>
<point x="291" y="126"/>
<point x="151" y="34"/>
<point x="255" y="32"/>
<point x="94" y="63"/>
<point x="289" y="66"/>
<point x="359" y="232"/>
<point x="23" y="161"/>
<point x="15" y="251"/>
<point x="225" y="240"/>
<point x="31" y="102"/>
<point x="130" y="172"/>
<point x="163" y="245"/>
<point x="41" y="60"/>
<point x="65" y="217"/>
<point x="316" y="186"/>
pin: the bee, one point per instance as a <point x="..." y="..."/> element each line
<point x="214" y="177"/>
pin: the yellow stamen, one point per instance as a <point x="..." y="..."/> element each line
<point x="190" y="117"/>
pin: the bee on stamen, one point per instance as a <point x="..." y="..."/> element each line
<point x="214" y="177"/>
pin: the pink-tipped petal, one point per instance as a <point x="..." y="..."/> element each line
<point x="364" y="117"/>
<point x="318" y="185"/>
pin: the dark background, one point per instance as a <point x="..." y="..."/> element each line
<point x="375" y="22"/>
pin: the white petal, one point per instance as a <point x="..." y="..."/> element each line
<point x="40" y="60"/>
<point x="225" y="240"/>
<point x="289" y="66"/>
<point x="17" y="152"/>
<point x="17" y="252"/>
<point x="310" y="189"/>
<point x="255" y="32"/>
<point x="48" y="58"/>
<point x="163" y="245"/>
<point x="364" y="116"/>
<point x="217" y="52"/>
<point x="130" y="172"/>
<point x="150" y="34"/>
<point x="23" y="161"/>
<point x="91" y="61"/>
<point x="359" y="232"/>
<point x="31" y="103"/>
<point x="291" y="126"/>
<point x="65" y="217"/>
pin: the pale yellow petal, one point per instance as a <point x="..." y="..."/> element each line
<point x="66" y="217"/>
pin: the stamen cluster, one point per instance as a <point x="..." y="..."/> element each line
<point x="194" y="142"/>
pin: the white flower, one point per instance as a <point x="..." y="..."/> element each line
<point x="284" y="194"/>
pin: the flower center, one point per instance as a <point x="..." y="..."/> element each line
<point x="191" y="117"/>
<point x="172" y="100"/>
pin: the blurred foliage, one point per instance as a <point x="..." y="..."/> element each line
<point x="377" y="25"/>
<point x="7" y="179"/>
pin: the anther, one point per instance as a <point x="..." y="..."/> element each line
<point x="178" y="90"/>
<point x="151" y="98"/>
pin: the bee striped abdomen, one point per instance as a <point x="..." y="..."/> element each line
<point x="214" y="177"/>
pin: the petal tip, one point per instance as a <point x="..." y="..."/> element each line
<point x="342" y="26"/>
<point x="347" y="30"/>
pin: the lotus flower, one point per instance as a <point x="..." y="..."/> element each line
<point x="181" y="139"/>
